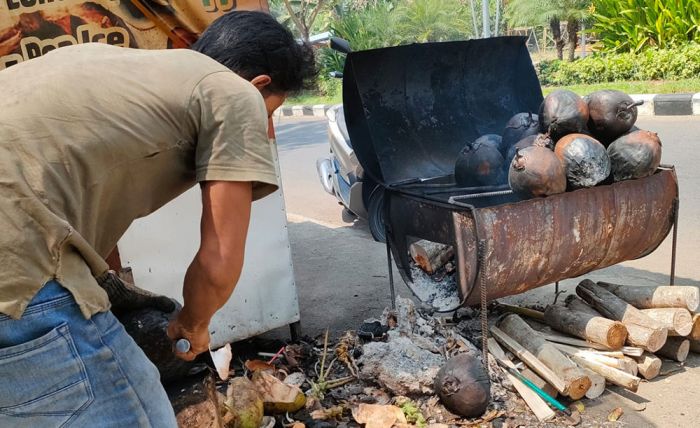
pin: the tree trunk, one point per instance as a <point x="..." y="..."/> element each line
<point x="611" y="306"/>
<point x="594" y="328"/>
<point x="486" y="19"/>
<point x="678" y="321"/>
<point x="572" y="28"/>
<point x="556" y="36"/>
<point x="577" y="383"/>
<point x="663" y="296"/>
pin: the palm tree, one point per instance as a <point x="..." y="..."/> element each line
<point x="539" y="12"/>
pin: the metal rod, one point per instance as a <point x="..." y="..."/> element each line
<point x="672" y="281"/>
<point x="391" y="271"/>
<point x="468" y="189"/>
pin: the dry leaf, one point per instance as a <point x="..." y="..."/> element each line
<point x="578" y="406"/>
<point x="256" y="365"/>
<point x="378" y="416"/>
<point x="327" y="414"/>
<point x="615" y="414"/>
<point x="296" y="379"/>
<point x="493" y="414"/>
<point x="222" y="360"/>
<point x="277" y="396"/>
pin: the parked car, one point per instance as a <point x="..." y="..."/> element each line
<point x="341" y="174"/>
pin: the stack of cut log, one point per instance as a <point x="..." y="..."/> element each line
<point x="619" y="332"/>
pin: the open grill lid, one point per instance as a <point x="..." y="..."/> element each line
<point x="411" y="109"/>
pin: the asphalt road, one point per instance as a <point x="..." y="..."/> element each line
<point x="342" y="279"/>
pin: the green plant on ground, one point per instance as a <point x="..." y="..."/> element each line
<point x="682" y="62"/>
<point x="635" y="25"/>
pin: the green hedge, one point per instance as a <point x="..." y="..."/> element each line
<point x="682" y="62"/>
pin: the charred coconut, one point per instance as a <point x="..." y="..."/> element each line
<point x="536" y="171"/>
<point x="518" y="127"/>
<point x="479" y="163"/>
<point x="611" y="114"/>
<point x="585" y="160"/>
<point x="541" y="140"/>
<point x="635" y="155"/>
<point x="463" y="385"/>
<point x="563" y="112"/>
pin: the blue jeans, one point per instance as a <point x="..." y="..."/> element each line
<point x="58" y="369"/>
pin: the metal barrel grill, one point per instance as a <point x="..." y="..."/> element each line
<point x="411" y="109"/>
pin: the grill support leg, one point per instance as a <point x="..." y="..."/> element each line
<point x="672" y="280"/>
<point x="392" y="290"/>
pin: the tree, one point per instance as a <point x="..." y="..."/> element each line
<point x="302" y="13"/>
<point x="552" y="13"/>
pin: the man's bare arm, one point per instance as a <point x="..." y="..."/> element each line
<point x="216" y="268"/>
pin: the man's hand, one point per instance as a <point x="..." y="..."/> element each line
<point x="215" y="270"/>
<point x="198" y="336"/>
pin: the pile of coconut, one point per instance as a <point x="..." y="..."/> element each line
<point x="572" y="143"/>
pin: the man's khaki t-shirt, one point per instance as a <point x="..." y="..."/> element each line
<point x="93" y="137"/>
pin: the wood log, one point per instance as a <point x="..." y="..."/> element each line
<point x="695" y="346"/>
<point x="611" y="306"/>
<point x="523" y="311"/>
<point x="626" y="365"/>
<point x="676" y="348"/>
<point x="695" y="332"/>
<point x="597" y="384"/>
<point x="538" y="406"/>
<point x="430" y="256"/>
<point x="576" y="304"/>
<point x="615" y="376"/>
<point x="541" y="383"/>
<point x="631" y="351"/>
<point x="678" y="321"/>
<point x="648" y="365"/>
<point x="586" y="326"/>
<point x="528" y="358"/>
<point x="646" y="338"/>
<point x="576" y="381"/>
<point x="663" y="296"/>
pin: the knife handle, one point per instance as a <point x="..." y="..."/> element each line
<point x="182" y="346"/>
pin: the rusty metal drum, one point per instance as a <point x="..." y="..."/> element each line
<point x="539" y="241"/>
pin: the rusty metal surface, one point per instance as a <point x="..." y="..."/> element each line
<point x="540" y="241"/>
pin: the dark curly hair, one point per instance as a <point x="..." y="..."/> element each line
<point x="254" y="43"/>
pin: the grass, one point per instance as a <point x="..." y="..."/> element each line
<point x="648" y="87"/>
<point x="311" y="98"/>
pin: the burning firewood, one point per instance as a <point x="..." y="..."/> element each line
<point x="430" y="256"/>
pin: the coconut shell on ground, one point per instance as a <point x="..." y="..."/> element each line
<point x="635" y="155"/>
<point x="518" y="127"/>
<point x="563" y="112"/>
<point x="479" y="164"/>
<point x="611" y="114"/>
<point x="463" y="385"/>
<point x="536" y="171"/>
<point x="585" y="160"/>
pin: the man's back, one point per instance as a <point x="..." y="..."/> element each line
<point x="94" y="136"/>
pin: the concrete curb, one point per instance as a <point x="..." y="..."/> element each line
<point x="318" y="110"/>
<point x="654" y="105"/>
